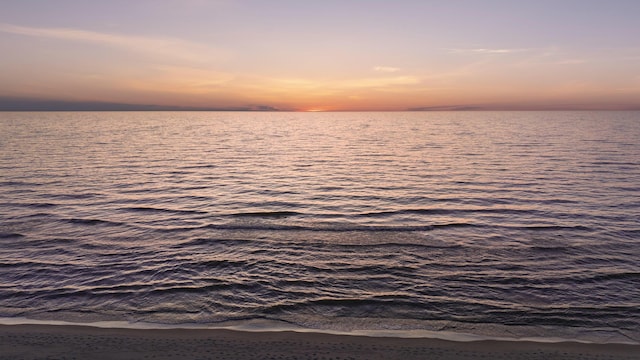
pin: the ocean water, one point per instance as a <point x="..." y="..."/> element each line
<point x="507" y="224"/>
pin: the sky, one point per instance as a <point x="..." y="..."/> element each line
<point x="323" y="55"/>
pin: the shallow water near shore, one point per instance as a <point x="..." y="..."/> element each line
<point x="500" y="224"/>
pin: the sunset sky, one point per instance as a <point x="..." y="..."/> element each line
<point x="324" y="55"/>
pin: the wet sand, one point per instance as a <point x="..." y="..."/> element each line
<point x="81" y="342"/>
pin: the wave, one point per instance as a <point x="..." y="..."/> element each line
<point x="203" y="166"/>
<point x="19" y="183"/>
<point x="549" y="248"/>
<point x="267" y="214"/>
<point x="10" y="235"/>
<point x="209" y="241"/>
<point x="624" y="276"/>
<point x="147" y="209"/>
<point x="333" y="228"/>
<point x="349" y="227"/>
<point x="82" y="221"/>
<point x="392" y="228"/>
<point x="75" y="196"/>
<point x="547" y="227"/>
<point x="428" y="211"/>
<point x="31" y="205"/>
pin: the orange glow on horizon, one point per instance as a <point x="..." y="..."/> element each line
<point x="298" y="63"/>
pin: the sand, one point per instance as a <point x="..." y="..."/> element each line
<point x="82" y="342"/>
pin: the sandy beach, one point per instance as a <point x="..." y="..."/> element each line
<point x="82" y="342"/>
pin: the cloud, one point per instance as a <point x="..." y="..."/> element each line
<point x="301" y="90"/>
<point x="178" y="79"/>
<point x="571" y="62"/>
<point x="487" y="51"/>
<point x="159" y="46"/>
<point x="386" y="69"/>
<point x="378" y="82"/>
<point x="196" y="77"/>
<point x="361" y="83"/>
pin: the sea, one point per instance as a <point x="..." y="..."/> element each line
<point x="516" y="225"/>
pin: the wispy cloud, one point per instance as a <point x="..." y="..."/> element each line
<point x="486" y="51"/>
<point x="166" y="46"/>
<point x="571" y="62"/>
<point x="362" y="83"/>
<point x="372" y="83"/>
<point x="187" y="80"/>
<point x="306" y="88"/>
<point x="386" y="69"/>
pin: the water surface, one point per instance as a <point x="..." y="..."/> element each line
<point x="501" y="223"/>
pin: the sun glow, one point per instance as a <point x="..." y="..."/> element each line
<point x="298" y="63"/>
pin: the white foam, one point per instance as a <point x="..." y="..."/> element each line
<point x="272" y="326"/>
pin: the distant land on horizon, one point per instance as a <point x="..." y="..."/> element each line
<point x="28" y="104"/>
<point x="25" y="104"/>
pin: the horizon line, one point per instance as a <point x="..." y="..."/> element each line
<point x="16" y="104"/>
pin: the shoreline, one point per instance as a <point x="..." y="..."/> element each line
<point x="268" y="326"/>
<point x="31" y="341"/>
<point x="262" y="325"/>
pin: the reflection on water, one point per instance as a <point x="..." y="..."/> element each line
<point x="400" y="220"/>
